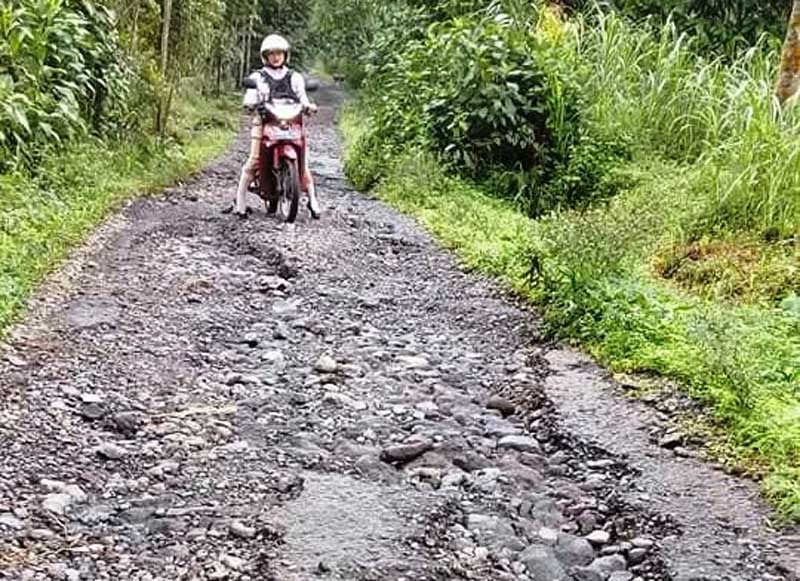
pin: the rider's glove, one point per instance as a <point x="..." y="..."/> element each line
<point x="262" y="109"/>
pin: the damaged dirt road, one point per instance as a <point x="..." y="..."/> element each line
<point x="195" y="397"/>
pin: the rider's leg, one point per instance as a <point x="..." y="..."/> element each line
<point x="250" y="166"/>
<point x="311" y="188"/>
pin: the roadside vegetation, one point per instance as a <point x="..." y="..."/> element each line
<point x="632" y="171"/>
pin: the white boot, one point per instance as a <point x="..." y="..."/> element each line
<point x="313" y="202"/>
<point x="241" y="193"/>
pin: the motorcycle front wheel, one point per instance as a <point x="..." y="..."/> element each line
<point x="289" y="179"/>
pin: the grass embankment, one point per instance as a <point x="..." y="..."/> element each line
<point x="44" y="216"/>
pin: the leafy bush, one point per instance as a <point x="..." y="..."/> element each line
<point x="507" y="100"/>
<point x="60" y="74"/>
<point x="717" y="25"/>
<point x="507" y="111"/>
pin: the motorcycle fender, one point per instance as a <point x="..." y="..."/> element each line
<point x="287" y="150"/>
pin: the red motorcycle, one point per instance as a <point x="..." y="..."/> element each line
<point x="279" y="177"/>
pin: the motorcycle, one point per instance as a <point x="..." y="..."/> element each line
<point x="279" y="176"/>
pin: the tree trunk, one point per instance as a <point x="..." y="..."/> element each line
<point x="218" y="66"/>
<point x="248" y="46"/>
<point x="789" y="75"/>
<point x="165" y="24"/>
<point x="166" y="94"/>
<point x="243" y="49"/>
<point x="132" y="47"/>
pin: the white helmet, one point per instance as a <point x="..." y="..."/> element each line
<point x="275" y="43"/>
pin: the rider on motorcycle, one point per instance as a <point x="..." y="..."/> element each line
<point x="275" y="81"/>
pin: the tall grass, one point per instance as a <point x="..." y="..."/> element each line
<point x="723" y="116"/>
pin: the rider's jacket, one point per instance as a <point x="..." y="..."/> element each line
<point x="282" y="83"/>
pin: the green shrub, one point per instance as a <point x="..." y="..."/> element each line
<point x="506" y="112"/>
<point x="507" y="101"/>
<point x="60" y="74"/>
<point x="718" y="25"/>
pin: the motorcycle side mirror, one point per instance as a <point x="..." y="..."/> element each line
<point x="249" y="83"/>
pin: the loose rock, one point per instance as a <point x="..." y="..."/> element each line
<point x="111" y="451"/>
<point x="520" y="443"/>
<point x="542" y="563"/>
<point x="599" y="538"/>
<point x="405" y="452"/>
<point x="504" y="406"/>
<point x="326" y="364"/>
<point x="240" y="530"/>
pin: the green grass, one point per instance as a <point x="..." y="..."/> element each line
<point x="43" y="217"/>
<point x="596" y="286"/>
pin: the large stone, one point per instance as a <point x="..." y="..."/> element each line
<point x="371" y="467"/>
<point x="519" y="443"/>
<point x="10" y="521"/>
<point x="574" y="551"/>
<point x="486" y="480"/>
<point x="111" y="451"/>
<point x="642" y="543"/>
<point x="671" y="441"/>
<point x="405" y="452"/>
<point x="587" y="574"/>
<point x="280" y="332"/>
<point x="126" y="422"/>
<point x="453" y="479"/>
<point x="599" y="537"/>
<point x="57" y="503"/>
<point x="92" y="411"/>
<point x="501" y="404"/>
<point x="72" y="490"/>
<point x="273" y="283"/>
<point x="637" y="556"/>
<point x="548" y="536"/>
<point x="608" y="565"/>
<point x="542" y="563"/>
<point x="413" y="362"/>
<point x="233" y="563"/>
<point x="326" y="364"/>
<point x="494" y="532"/>
<point x="41" y="534"/>
<point x="239" y="529"/>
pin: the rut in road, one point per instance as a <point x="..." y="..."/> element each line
<point x="195" y="397"/>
